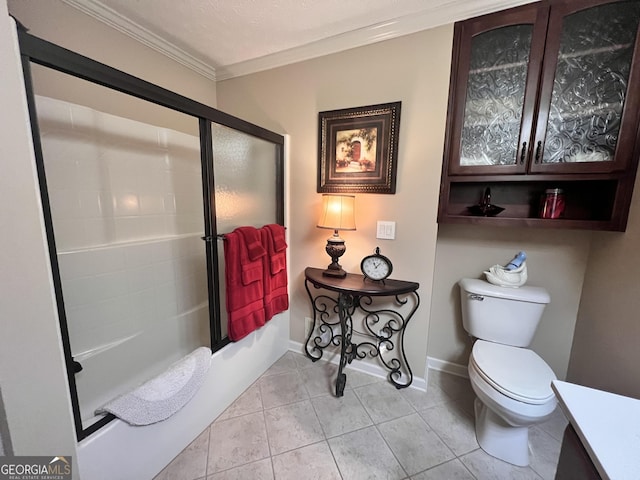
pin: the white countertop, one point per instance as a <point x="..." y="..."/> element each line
<point x="608" y="426"/>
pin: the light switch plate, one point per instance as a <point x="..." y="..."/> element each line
<point x="386" y="230"/>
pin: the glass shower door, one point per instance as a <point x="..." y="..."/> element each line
<point x="246" y="175"/>
<point x="126" y="173"/>
<point x="124" y="184"/>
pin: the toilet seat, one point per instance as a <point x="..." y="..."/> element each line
<point x="518" y="373"/>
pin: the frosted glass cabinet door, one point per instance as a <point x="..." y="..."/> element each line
<point x="499" y="65"/>
<point x="588" y="109"/>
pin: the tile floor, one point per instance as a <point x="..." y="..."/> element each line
<point x="289" y="425"/>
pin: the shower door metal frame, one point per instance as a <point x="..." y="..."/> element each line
<point x="44" y="53"/>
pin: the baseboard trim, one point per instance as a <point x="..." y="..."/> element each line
<point x="364" y="367"/>
<point x="447" y="367"/>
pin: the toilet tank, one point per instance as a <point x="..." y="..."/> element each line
<point x="501" y="314"/>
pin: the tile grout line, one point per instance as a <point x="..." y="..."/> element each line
<point x="266" y="430"/>
<point x="325" y="439"/>
<point x="295" y="366"/>
<point x="455" y="455"/>
<point x="375" y="425"/>
<point x="264" y="422"/>
<point x="206" y="464"/>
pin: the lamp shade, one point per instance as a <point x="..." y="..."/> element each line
<point x="338" y="212"/>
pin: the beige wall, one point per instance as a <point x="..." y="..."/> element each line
<point x="606" y="347"/>
<point x="288" y="100"/>
<point x="413" y="69"/>
<point x="32" y="374"/>
<point x="556" y="259"/>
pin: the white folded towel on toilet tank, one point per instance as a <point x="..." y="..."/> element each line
<point x="162" y="396"/>
<point x="499" y="275"/>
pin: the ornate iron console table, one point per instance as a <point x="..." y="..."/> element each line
<point x="383" y="327"/>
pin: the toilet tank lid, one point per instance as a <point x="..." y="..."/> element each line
<point x="522" y="294"/>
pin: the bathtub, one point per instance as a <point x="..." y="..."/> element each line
<point x="120" y="451"/>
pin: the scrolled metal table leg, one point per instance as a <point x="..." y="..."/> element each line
<point x="341" y="381"/>
<point x="345" y="303"/>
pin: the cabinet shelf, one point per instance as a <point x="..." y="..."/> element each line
<point x="590" y="202"/>
<point x="538" y="178"/>
<point x="583" y="112"/>
<point x="564" y="57"/>
<point x="501" y="221"/>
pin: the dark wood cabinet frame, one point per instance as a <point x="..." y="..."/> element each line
<point x="600" y="192"/>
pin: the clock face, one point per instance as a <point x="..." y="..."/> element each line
<point x="376" y="267"/>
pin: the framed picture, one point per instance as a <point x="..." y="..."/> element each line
<point x="358" y="149"/>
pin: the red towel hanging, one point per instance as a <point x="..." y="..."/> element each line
<point x="276" y="296"/>
<point x="243" y="256"/>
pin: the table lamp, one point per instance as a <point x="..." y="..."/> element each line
<point x="338" y="213"/>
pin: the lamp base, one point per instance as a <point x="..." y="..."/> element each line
<point x="329" y="272"/>
<point x="335" y="248"/>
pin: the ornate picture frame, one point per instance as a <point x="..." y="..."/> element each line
<point x="358" y="149"/>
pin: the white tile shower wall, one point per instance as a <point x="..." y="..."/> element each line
<point x="132" y="310"/>
<point x="112" y="179"/>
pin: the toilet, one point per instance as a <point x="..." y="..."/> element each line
<point x="511" y="382"/>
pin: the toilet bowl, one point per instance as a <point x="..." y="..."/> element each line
<point x="511" y="382"/>
<point x="513" y="389"/>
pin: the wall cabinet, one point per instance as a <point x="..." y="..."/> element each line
<point x="546" y="95"/>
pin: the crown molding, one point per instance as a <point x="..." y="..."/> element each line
<point x="448" y="11"/>
<point x="108" y="16"/>
<point x="445" y="13"/>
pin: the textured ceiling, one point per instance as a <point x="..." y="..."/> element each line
<point x="212" y="35"/>
<point x="225" y="32"/>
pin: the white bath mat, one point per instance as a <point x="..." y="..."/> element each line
<point x="162" y="396"/>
